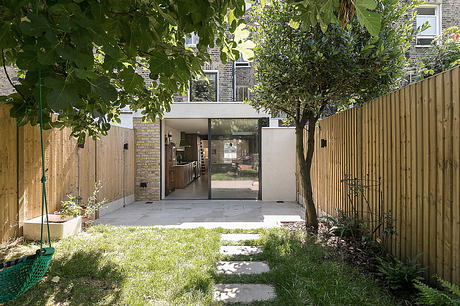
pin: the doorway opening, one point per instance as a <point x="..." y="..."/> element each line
<point x="212" y="159"/>
<point x="186" y="159"/>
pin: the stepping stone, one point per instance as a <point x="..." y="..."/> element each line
<point x="242" y="267"/>
<point x="243" y="293"/>
<point x="240" y="250"/>
<point x="239" y="237"/>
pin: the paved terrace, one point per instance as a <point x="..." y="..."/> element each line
<point x="205" y="213"/>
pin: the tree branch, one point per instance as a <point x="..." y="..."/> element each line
<point x="8" y="76"/>
<point x="285" y="110"/>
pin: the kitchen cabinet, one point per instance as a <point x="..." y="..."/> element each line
<point x="185" y="174"/>
<point x="170" y="154"/>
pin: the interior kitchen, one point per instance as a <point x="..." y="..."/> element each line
<point x="186" y="158"/>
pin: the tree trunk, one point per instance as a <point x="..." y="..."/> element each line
<point x="311" y="218"/>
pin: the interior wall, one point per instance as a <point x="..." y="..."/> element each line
<point x="175" y="134"/>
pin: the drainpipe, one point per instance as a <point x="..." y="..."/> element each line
<point x="234" y="82"/>
<point x="125" y="148"/>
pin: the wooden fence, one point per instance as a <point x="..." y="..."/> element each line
<point x="71" y="170"/>
<point x="405" y="147"/>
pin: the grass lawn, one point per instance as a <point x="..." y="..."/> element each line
<point x="228" y="177"/>
<point x="140" y="265"/>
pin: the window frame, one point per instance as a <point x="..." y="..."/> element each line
<point x="189" y="92"/>
<point x="438" y="18"/>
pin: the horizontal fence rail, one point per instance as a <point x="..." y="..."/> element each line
<point x="404" y="148"/>
<point x="71" y="170"/>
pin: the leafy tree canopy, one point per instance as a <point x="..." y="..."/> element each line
<point x="443" y="54"/>
<point x="303" y="72"/>
<point x="91" y="54"/>
<point x="325" y="12"/>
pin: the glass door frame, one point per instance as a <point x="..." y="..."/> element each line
<point x="261" y="122"/>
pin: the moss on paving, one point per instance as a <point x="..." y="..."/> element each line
<point x="110" y="265"/>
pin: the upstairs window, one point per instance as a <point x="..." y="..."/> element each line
<point x="202" y="90"/>
<point x="192" y="40"/>
<point x="429" y="14"/>
<point x="241" y="62"/>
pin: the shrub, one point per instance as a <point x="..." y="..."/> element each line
<point x="443" y="54"/>
<point x="433" y="296"/>
<point x="398" y="274"/>
<point x="345" y="226"/>
<point x="73" y="206"/>
<point x="70" y="207"/>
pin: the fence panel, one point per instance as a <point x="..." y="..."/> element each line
<point x="71" y="170"/>
<point x="407" y="143"/>
<point x="8" y="176"/>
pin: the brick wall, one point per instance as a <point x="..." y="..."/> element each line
<point x="147" y="137"/>
<point x="5" y="87"/>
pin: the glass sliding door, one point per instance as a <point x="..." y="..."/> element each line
<point x="234" y="158"/>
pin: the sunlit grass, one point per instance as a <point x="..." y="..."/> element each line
<point x="140" y="266"/>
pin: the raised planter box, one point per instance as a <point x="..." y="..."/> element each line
<point x="59" y="227"/>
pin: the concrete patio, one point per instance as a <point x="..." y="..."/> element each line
<point x="205" y="213"/>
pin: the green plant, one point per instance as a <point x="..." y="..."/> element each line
<point x="70" y="207"/>
<point x="347" y="226"/>
<point x="89" y="54"/>
<point x="303" y="72"/>
<point x="73" y="207"/>
<point x="398" y="274"/>
<point x="92" y="205"/>
<point x="433" y="296"/>
<point x="443" y="54"/>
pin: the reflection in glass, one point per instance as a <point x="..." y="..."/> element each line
<point x="204" y="89"/>
<point x="234" y="158"/>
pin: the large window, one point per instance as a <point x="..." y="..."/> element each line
<point x="428" y="14"/>
<point x="235" y="146"/>
<point x="244" y="75"/>
<point x="204" y="89"/>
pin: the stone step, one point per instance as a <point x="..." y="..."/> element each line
<point x="240" y="250"/>
<point x="242" y="267"/>
<point x="239" y="237"/>
<point x="243" y="293"/>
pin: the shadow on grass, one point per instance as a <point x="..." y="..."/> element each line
<point x="81" y="278"/>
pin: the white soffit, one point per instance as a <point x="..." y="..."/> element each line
<point x="190" y="126"/>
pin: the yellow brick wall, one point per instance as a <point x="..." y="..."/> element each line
<point x="147" y="135"/>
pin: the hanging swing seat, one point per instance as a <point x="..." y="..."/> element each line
<point x="17" y="276"/>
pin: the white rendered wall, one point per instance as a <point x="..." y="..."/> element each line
<point x="213" y="110"/>
<point x="278" y="164"/>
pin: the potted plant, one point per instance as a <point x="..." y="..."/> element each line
<point x="69" y="220"/>
<point x="74" y="206"/>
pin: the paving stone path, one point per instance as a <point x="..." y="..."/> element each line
<point x="242" y="293"/>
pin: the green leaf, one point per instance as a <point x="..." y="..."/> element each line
<point x="35" y="27"/>
<point x="104" y="89"/>
<point x="369" y="19"/>
<point x="241" y="33"/>
<point x="131" y="80"/>
<point x="246" y="50"/>
<point x="6" y="37"/>
<point x="366" y="4"/>
<point x="294" y="24"/>
<point x="61" y="95"/>
<point x="85" y="74"/>
<point x="159" y="63"/>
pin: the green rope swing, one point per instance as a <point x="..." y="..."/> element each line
<point x="17" y="276"/>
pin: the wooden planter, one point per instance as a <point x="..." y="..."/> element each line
<point x="59" y="227"/>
